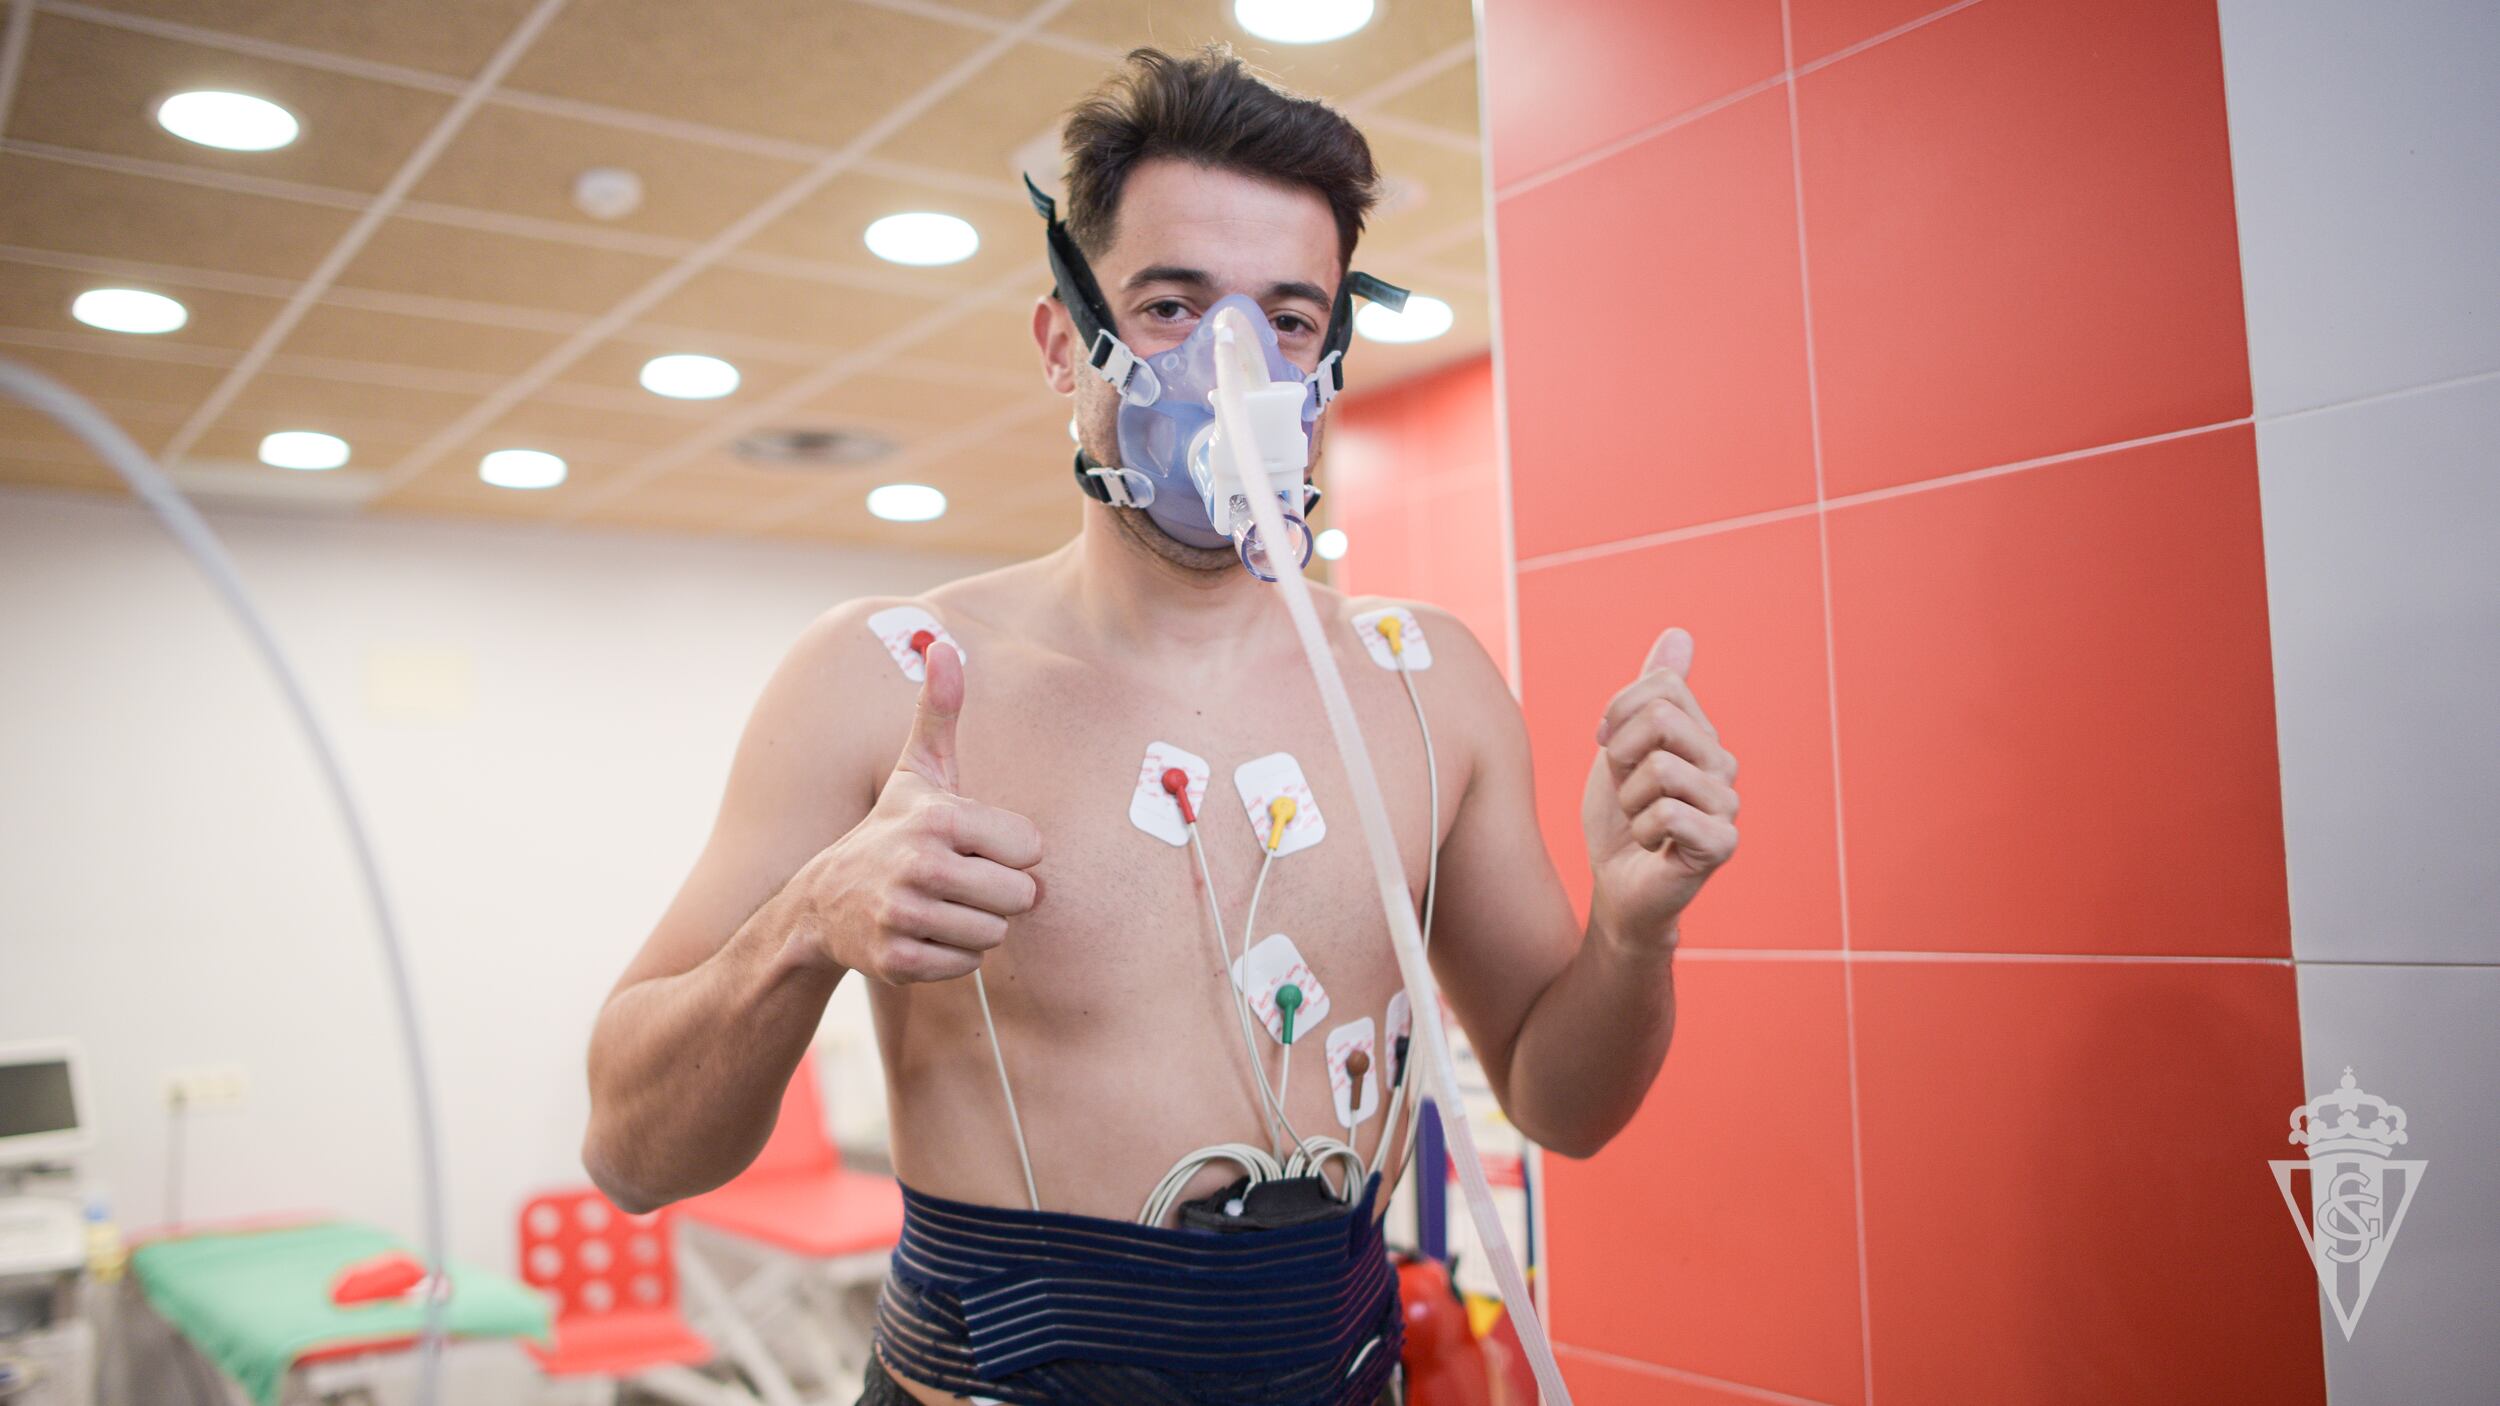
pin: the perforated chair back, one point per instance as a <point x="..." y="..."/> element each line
<point x="598" y="1261"/>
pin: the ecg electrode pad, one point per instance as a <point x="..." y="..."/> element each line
<point x="1410" y="633"/>
<point x="1399" y="1025"/>
<point x="1353" y="1104"/>
<point x="896" y="627"/>
<point x="1262" y="782"/>
<point x="1260" y="971"/>
<point x="1153" y="808"/>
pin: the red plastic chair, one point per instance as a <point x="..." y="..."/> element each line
<point x="614" y="1279"/>
<point x="797" y="1196"/>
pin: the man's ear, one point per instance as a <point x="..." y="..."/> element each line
<point x="1056" y="336"/>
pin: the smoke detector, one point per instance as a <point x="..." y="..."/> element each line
<point x="803" y="448"/>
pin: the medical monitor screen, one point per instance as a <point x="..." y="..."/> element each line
<point x="35" y="1098"/>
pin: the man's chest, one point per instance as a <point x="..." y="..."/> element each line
<point x="1124" y="909"/>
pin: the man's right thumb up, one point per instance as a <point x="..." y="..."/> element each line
<point x="930" y="753"/>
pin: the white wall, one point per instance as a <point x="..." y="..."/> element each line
<point x="2361" y="145"/>
<point x="538" y="723"/>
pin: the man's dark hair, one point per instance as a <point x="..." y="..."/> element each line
<point x="1209" y="108"/>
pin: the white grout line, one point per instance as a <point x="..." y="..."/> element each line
<point x="1733" y="1388"/>
<point x="1572" y="555"/>
<point x="773" y="207"/>
<point x="1504" y="485"/>
<point x="353" y="241"/>
<point x="13" y="54"/>
<point x="1831" y="704"/>
<point x="1864" y="956"/>
<point x="2374" y="397"/>
<point x="234" y="182"/>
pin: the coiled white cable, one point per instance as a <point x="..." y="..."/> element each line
<point x="1235" y="373"/>
<point x="183" y="522"/>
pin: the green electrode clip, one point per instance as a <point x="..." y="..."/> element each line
<point x="1288" y="1000"/>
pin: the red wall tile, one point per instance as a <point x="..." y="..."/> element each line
<point x="1414" y="478"/>
<point x="1656" y="336"/>
<point x="2057" y="709"/>
<point x="1752" y="599"/>
<point x="1718" y="1232"/>
<point x="2066" y="1183"/>
<point x="1569" y="77"/>
<point x="1821" y="27"/>
<point x="2022" y="239"/>
<point x="1597" y="1380"/>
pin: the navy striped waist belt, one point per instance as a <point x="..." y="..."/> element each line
<point x="1042" y="1308"/>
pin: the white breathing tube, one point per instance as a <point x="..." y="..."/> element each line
<point x="73" y="413"/>
<point x="1236" y="373"/>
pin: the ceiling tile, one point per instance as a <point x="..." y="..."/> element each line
<point x="1432" y="189"/>
<point x="366" y="453"/>
<point x="38" y="298"/>
<point x="1446" y="100"/>
<point x="95" y="88"/>
<point x="110" y="215"/>
<point x="279" y="401"/>
<point x="830" y="225"/>
<point x="1407" y="32"/>
<point x="876" y="398"/>
<point x="172" y="387"/>
<point x="575" y="429"/>
<point x="426" y="34"/>
<point x="977" y="129"/>
<point x="39" y="467"/>
<point x="359" y="334"/>
<point x="616" y="366"/>
<point x="998" y="337"/>
<point x="802" y="70"/>
<point x="705" y="503"/>
<point x="745" y="303"/>
<point x="406" y="256"/>
<point x="524" y="163"/>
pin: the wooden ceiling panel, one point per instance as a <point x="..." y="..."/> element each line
<point x="977" y="129"/>
<point x="406" y="256"/>
<point x="877" y="397"/>
<point x="352" y="409"/>
<point x="1432" y="190"/>
<point x="829" y="226"/>
<point x="36" y="298"/>
<point x="791" y="310"/>
<point x="610" y="434"/>
<point x="73" y="209"/>
<point x="616" y="366"/>
<point x="451" y="39"/>
<point x="90" y="87"/>
<point x="524" y="163"/>
<point x="1446" y="100"/>
<point x="174" y="386"/>
<point x="801" y="70"/>
<point x="1407" y="32"/>
<point x="362" y="334"/>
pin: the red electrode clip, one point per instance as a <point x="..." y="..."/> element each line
<point x="1176" y="781"/>
<point x="920" y="642"/>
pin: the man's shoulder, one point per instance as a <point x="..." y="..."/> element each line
<point x="1444" y="634"/>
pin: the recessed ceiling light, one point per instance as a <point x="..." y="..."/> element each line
<point x="906" y="502"/>
<point x="1330" y="544"/>
<point x="922" y="239"/>
<point x="1302" y="21"/>
<point x="232" y="121"/>
<point x="1424" y="319"/>
<point x="688" y="377"/>
<point x="303" y="449"/>
<point x="128" y="310"/>
<point x="521" y="468"/>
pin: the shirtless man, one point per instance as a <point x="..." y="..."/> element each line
<point x="916" y="834"/>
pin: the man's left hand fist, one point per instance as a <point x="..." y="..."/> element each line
<point x="1660" y="812"/>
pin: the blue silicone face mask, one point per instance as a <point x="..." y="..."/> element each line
<point x="1169" y="411"/>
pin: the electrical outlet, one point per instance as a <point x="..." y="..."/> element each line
<point x="207" y="1086"/>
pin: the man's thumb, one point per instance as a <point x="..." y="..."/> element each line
<point x="931" y="751"/>
<point x="1673" y="652"/>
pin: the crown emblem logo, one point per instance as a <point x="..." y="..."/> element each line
<point x="2358" y="1191"/>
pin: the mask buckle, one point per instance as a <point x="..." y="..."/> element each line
<point x="1127" y="372"/>
<point x="1122" y="487"/>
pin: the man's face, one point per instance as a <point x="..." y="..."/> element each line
<point x="1187" y="235"/>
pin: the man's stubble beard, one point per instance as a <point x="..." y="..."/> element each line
<point x="1098" y="417"/>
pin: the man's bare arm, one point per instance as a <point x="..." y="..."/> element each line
<point x="1571" y="1025"/>
<point x="821" y="863"/>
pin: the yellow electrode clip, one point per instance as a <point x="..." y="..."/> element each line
<point x="1279" y="815"/>
<point x="1393" y="630"/>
